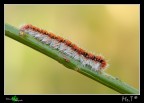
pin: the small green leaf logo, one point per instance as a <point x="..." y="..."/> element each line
<point x="14" y="99"/>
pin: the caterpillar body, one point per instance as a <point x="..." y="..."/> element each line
<point x="66" y="47"/>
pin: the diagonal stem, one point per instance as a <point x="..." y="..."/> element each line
<point x="101" y="77"/>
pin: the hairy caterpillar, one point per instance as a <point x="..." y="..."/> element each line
<point x="66" y="47"/>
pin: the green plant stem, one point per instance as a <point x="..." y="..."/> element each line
<point x="102" y="77"/>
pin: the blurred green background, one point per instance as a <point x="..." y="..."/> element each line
<point x="110" y="30"/>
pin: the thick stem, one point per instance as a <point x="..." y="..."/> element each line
<point x="101" y="77"/>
